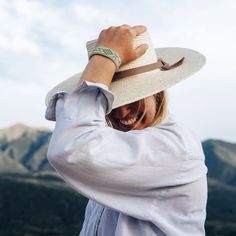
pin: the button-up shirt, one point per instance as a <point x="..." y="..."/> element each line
<point x="141" y="182"/>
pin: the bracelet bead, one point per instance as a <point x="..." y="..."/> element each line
<point x="109" y="53"/>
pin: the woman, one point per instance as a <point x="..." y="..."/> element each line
<point x="147" y="175"/>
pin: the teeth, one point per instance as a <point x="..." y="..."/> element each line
<point x="129" y="122"/>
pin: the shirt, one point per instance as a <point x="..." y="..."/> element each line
<point x="140" y="182"/>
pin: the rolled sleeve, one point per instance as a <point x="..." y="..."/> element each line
<point x="94" y="90"/>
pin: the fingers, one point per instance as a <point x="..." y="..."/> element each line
<point x="138" y="29"/>
<point x="125" y="26"/>
<point x="120" y="39"/>
<point x="135" y="30"/>
<point x="140" y="50"/>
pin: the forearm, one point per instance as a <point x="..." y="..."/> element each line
<point x="99" y="70"/>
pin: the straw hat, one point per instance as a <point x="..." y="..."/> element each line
<point x="145" y="76"/>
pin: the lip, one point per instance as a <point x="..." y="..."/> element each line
<point x="127" y="127"/>
<point x="129" y="121"/>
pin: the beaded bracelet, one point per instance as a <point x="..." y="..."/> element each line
<point x="109" y="53"/>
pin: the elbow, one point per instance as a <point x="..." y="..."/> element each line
<point x="82" y="149"/>
<point x="61" y="154"/>
<point x="59" y="149"/>
<point x="52" y="156"/>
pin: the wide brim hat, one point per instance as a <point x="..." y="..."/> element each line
<point x="137" y="84"/>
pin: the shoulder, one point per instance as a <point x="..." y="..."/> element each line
<point x="177" y="135"/>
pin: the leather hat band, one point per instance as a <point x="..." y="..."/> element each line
<point x="160" y="64"/>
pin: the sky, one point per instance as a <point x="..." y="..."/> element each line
<point x="43" y="42"/>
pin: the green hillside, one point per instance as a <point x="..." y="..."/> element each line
<point x="39" y="206"/>
<point x="221" y="209"/>
<point x="27" y="146"/>
<point x="221" y="160"/>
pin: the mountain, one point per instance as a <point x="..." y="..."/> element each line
<point x="34" y="200"/>
<point x="9" y="165"/>
<point x="221" y="160"/>
<point x="221" y="207"/>
<point x="24" y="149"/>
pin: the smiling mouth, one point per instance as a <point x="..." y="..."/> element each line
<point x="129" y="122"/>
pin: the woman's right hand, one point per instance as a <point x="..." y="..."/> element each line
<point x="120" y="39"/>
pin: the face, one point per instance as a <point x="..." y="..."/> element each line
<point x="125" y="118"/>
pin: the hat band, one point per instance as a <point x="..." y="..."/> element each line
<point x="160" y="64"/>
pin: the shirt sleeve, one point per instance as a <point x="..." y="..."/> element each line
<point x="51" y="107"/>
<point x="120" y="170"/>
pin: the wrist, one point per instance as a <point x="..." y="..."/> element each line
<point x="108" y="53"/>
<point x="103" y="63"/>
<point x="99" y="70"/>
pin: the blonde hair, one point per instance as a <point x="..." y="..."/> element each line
<point x="161" y="107"/>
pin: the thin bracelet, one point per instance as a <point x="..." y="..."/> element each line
<point x="109" y="53"/>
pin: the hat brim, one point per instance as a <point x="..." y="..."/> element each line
<point x="136" y="87"/>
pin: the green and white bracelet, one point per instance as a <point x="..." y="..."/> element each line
<point x="109" y="53"/>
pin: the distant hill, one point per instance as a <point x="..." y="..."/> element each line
<point x="23" y="149"/>
<point x="35" y="201"/>
<point x="221" y="160"/>
<point x="9" y="165"/>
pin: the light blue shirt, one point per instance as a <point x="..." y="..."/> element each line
<point x="140" y="183"/>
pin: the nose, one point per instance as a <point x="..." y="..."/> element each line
<point x="123" y="111"/>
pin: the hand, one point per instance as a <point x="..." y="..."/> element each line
<point x="120" y="39"/>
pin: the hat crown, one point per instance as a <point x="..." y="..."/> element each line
<point x="148" y="57"/>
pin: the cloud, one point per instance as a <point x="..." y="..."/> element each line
<point x="22" y="102"/>
<point x="40" y="38"/>
<point x="13" y="36"/>
<point x="43" y="42"/>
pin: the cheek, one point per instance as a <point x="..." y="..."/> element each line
<point x="149" y="118"/>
